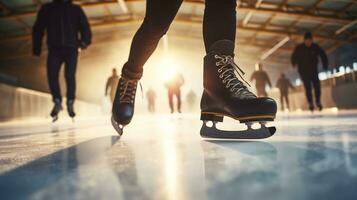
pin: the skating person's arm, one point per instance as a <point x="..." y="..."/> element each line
<point x="182" y="80"/>
<point x="84" y="29"/>
<point x="290" y="85"/>
<point x="323" y="57"/>
<point x="38" y="31"/>
<point x="295" y="57"/>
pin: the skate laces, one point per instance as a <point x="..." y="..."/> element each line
<point x="127" y="90"/>
<point x="227" y="69"/>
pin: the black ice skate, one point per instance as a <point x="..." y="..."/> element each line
<point x="70" y="109"/>
<point x="226" y="95"/>
<point x="123" y="105"/>
<point x="319" y="106"/>
<point x="56" y="109"/>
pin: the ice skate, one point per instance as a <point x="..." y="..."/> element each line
<point x="226" y="95"/>
<point x="319" y="106"/>
<point x="56" y="109"/>
<point x="123" y="105"/>
<point x="70" y="109"/>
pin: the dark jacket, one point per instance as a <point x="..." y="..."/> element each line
<point x="65" y="23"/>
<point x="306" y="58"/>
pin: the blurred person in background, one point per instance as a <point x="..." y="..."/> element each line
<point x="261" y="79"/>
<point x="173" y="86"/>
<point x="67" y="30"/>
<point x="305" y="59"/>
<point x="111" y="85"/>
<point x="151" y="97"/>
<point x="284" y="84"/>
<point x="191" y="100"/>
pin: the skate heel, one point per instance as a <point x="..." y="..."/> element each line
<point x="211" y="117"/>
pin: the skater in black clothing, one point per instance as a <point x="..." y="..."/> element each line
<point x="284" y="84"/>
<point x="305" y="59"/>
<point x="224" y="93"/>
<point x="111" y="85"/>
<point x="67" y="30"/>
<point x="174" y="89"/>
<point x="261" y="80"/>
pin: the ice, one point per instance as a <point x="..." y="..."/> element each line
<point x="311" y="156"/>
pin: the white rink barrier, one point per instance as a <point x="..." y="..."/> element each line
<point x="16" y="102"/>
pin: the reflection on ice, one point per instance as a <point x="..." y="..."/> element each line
<point x="163" y="157"/>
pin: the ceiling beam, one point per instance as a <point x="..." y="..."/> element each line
<point x="275" y="48"/>
<point x="242" y="7"/>
<point x="188" y="19"/>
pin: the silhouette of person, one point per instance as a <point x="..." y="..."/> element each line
<point x="305" y="59"/>
<point x="284" y="84"/>
<point x="151" y="96"/>
<point x="112" y="83"/>
<point x="174" y="89"/>
<point x="67" y="30"/>
<point x="191" y="100"/>
<point x="261" y="79"/>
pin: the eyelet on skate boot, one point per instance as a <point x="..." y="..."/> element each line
<point x="226" y="93"/>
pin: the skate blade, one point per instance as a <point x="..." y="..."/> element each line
<point x="54" y="119"/>
<point x="117" y="127"/>
<point x="213" y="132"/>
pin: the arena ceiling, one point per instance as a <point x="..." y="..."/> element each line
<point x="266" y="29"/>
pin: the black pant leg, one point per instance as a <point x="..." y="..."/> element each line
<point x="71" y="56"/>
<point x="219" y="21"/>
<point x="317" y="88"/>
<point x="308" y="92"/>
<point x="287" y="101"/>
<point x="158" y="17"/>
<point x="54" y="62"/>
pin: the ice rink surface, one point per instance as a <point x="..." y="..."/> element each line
<point x="312" y="156"/>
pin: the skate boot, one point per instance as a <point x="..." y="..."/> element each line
<point x="227" y="95"/>
<point x="56" y="109"/>
<point x="123" y="105"/>
<point x="70" y="109"/>
<point x="319" y="106"/>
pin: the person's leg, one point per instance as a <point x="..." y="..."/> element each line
<point x="178" y="96"/>
<point x="71" y="56"/>
<point x="158" y="17"/>
<point x="219" y="21"/>
<point x="282" y="101"/>
<point x="54" y="62"/>
<point x="287" y="101"/>
<point x="171" y="103"/>
<point x="308" y="92"/>
<point x="317" y="89"/>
